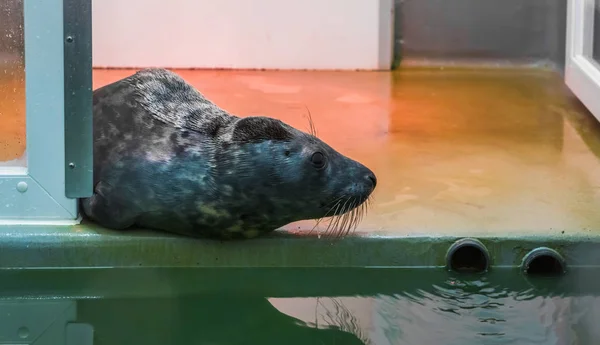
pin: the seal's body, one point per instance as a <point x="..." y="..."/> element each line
<point x="167" y="158"/>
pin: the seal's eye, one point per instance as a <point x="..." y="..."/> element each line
<point x="318" y="160"/>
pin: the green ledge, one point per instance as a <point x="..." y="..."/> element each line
<point x="87" y="261"/>
<point x="90" y="246"/>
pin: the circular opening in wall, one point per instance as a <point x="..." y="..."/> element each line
<point x="543" y="262"/>
<point x="468" y="255"/>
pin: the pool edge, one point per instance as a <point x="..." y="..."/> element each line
<point x="87" y="246"/>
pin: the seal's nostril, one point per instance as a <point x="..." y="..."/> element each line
<point x="373" y="179"/>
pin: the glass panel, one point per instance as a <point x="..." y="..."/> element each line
<point x="596" y="38"/>
<point x="12" y="84"/>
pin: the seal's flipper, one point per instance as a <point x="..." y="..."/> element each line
<point x="108" y="211"/>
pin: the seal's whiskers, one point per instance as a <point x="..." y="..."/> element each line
<point x="347" y="214"/>
<point x="342" y="317"/>
<point x="335" y="203"/>
<point x="334" y="219"/>
<point x="311" y="124"/>
<point x="339" y="217"/>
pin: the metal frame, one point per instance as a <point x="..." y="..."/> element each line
<point x="582" y="73"/>
<point x="78" y="98"/>
<point x="58" y="86"/>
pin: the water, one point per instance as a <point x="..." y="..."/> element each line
<point x="475" y="312"/>
<point x="320" y="305"/>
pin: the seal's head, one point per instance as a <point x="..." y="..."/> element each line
<point x="291" y="175"/>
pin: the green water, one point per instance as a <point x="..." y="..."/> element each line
<point x="321" y="305"/>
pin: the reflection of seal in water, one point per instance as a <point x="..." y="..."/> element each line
<point x="167" y="158"/>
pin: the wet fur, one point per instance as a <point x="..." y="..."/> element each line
<point x="167" y="158"/>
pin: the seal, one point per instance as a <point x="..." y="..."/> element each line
<point x="166" y="158"/>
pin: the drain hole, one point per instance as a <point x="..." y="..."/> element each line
<point x="545" y="265"/>
<point x="468" y="255"/>
<point x="543" y="262"/>
<point x="468" y="258"/>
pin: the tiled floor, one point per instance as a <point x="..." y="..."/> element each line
<point x="455" y="151"/>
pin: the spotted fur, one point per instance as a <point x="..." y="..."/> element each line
<point x="167" y="158"/>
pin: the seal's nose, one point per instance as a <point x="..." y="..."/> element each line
<point x="371" y="177"/>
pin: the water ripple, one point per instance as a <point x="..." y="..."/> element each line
<point x="473" y="312"/>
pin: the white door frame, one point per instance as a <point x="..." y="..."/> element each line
<point x="582" y="73"/>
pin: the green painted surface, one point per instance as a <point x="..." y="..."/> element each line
<point x="88" y="246"/>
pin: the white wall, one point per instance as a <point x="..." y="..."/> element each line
<point x="245" y="34"/>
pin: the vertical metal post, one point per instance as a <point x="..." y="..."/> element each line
<point x="77" y="16"/>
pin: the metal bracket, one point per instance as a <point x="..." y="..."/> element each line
<point x="77" y="18"/>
